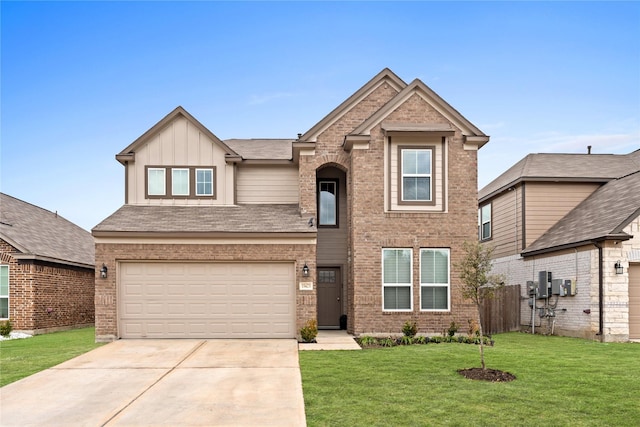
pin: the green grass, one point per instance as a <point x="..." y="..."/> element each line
<point x="20" y="358"/>
<point x="559" y="382"/>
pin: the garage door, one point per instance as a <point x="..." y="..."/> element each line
<point x="206" y="300"/>
<point x="634" y="301"/>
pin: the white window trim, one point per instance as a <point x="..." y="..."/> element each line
<point x="164" y="181"/>
<point x="396" y="285"/>
<point x="416" y="175"/>
<point x="447" y="285"/>
<point x="8" y="293"/>
<point x="173" y="191"/>
<point x="481" y="223"/>
<point x="212" y="182"/>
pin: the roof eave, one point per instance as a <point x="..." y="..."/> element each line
<point x="203" y="234"/>
<point x="34" y="257"/>
<point x="609" y="237"/>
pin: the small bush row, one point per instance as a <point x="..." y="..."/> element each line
<point x="369" y="341"/>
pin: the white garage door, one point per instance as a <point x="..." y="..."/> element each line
<point x="206" y="300"/>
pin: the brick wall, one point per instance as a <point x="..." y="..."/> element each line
<point x="45" y="297"/>
<point x="110" y="254"/>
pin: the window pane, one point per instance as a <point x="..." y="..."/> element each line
<point x="156" y="182"/>
<point x="397" y="298"/>
<point x="204" y="182"/>
<point x="434" y="266"/>
<point x="4" y="308"/>
<point x="409" y="188"/>
<point x="423" y="161"/>
<point x="327" y="209"/>
<point x="434" y="298"/>
<point x="486" y="213"/>
<point x="397" y="266"/>
<point x="423" y="188"/>
<point x="4" y="280"/>
<point x="409" y="162"/>
<point x="180" y="182"/>
<point x="486" y="230"/>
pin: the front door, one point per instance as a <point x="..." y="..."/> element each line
<point x="329" y="292"/>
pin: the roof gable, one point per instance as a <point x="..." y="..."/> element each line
<point x="417" y="87"/>
<point x="128" y="154"/>
<point x="385" y="76"/>
<point x="40" y="234"/>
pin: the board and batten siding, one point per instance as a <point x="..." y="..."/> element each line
<point x="180" y="143"/>
<point x="548" y="202"/>
<point x="506" y="223"/>
<point x="271" y="184"/>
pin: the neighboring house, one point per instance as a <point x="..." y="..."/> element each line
<point x="358" y="221"/>
<point x="47" y="274"/>
<point x="577" y="217"/>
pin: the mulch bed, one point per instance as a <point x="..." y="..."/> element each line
<point x="491" y="375"/>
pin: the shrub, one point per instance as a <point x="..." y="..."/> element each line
<point x="409" y="329"/>
<point x="367" y="341"/>
<point x="453" y="328"/>
<point x="387" y="342"/>
<point x="5" y="328"/>
<point x="406" y="340"/>
<point x="435" y="339"/>
<point x="420" y="340"/>
<point x="474" y="329"/>
<point x="310" y="331"/>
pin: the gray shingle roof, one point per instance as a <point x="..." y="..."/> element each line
<point x="603" y="214"/>
<point x="262" y="149"/>
<point x="41" y="234"/>
<point x="207" y="219"/>
<point x="568" y="167"/>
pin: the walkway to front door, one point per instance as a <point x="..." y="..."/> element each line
<point x="329" y="292"/>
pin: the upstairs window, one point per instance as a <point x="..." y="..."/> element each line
<point x="328" y="203"/>
<point x="484" y="222"/>
<point x="434" y="279"/>
<point x="396" y="279"/>
<point x="166" y="182"/>
<point x="416" y="175"/>
<point x="180" y="182"/>
<point x="156" y="182"/>
<point x="204" y="182"/>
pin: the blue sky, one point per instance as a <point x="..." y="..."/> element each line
<point x="82" y="80"/>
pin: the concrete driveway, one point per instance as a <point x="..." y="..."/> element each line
<point x="164" y="383"/>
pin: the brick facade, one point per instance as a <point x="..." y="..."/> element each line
<point x="112" y="253"/>
<point x="45" y="297"/>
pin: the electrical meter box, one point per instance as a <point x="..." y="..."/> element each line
<point x="570" y="287"/>
<point x="556" y="284"/>
<point x="543" y="284"/>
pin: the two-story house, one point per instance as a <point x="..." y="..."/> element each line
<point x="566" y="227"/>
<point x="356" y="223"/>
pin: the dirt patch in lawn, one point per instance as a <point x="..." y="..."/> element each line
<point x="492" y="375"/>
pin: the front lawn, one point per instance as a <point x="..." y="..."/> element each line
<point x="20" y="358"/>
<point x="559" y="382"/>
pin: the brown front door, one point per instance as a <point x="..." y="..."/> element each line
<point x="329" y="291"/>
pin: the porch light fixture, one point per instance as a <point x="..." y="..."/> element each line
<point x="305" y="270"/>
<point x="103" y="271"/>
<point x="619" y="268"/>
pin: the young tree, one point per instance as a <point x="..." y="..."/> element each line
<point x="478" y="284"/>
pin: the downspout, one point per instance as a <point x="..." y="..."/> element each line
<point x="600" y="291"/>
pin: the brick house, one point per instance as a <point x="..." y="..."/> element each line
<point x="357" y="223"/>
<point x="575" y="217"/>
<point x="46" y="269"/>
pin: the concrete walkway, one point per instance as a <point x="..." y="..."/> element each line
<point x="164" y="383"/>
<point x="331" y="340"/>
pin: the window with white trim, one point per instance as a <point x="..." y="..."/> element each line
<point x="180" y="182"/>
<point x="434" y="279"/>
<point x="204" y="182"/>
<point x="397" y="267"/>
<point x="416" y="174"/>
<point x="328" y="203"/>
<point x="156" y="182"/>
<point x="484" y="222"/>
<point x="4" y="291"/>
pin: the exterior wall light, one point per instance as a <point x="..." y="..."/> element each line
<point x="305" y="270"/>
<point x="103" y="271"/>
<point x="619" y="268"/>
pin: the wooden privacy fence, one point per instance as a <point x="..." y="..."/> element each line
<point x="502" y="313"/>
